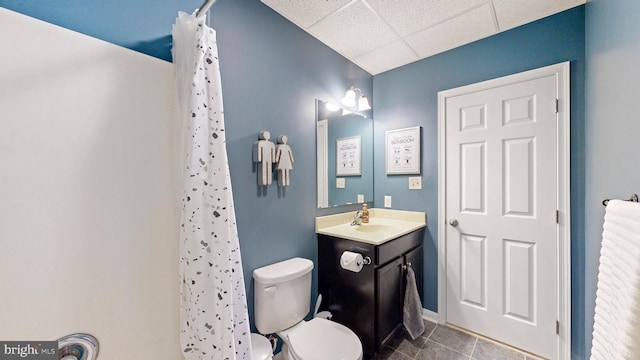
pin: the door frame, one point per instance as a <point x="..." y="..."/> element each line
<point x="322" y="161"/>
<point x="563" y="227"/>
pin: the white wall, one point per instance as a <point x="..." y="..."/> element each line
<point x="88" y="192"/>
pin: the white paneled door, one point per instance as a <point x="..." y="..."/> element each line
<point x="501" y="202"/>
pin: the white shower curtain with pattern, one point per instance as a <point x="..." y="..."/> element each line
<point x="214" y="321"/>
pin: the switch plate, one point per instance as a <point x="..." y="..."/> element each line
<point x="360" y="198"/>
<point x="339" y="183"/>
<point x="387" y="201"/>
<point x="415" y="183"/>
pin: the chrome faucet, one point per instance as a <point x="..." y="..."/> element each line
<point x="358" y="219"/>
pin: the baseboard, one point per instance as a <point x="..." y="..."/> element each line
<point x="430" y="315"/>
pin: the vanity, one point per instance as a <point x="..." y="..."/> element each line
<point x="370" y="301"/>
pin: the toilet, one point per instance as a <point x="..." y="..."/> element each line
<point x="282" y="300"/>
<point x="260" y="348"/>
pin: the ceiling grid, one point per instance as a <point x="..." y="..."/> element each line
<point x="380" y="35"/>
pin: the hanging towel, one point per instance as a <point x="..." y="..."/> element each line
<point x="616" y="329"/>
<point x="412" y="311"/>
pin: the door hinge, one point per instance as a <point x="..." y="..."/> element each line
<point x="557" y="327"/>
<point x="557" y="106"/>
<point x="557" y="217"/>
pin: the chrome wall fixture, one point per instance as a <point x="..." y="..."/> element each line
<point x="205" y="7"/>
<point x="634" y="198"/>
<point x="78" y="347"/>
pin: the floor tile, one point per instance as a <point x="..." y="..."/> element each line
<point x="486" y="350"/>
<point x="402" y="342"/>
<point x="434" y="351"/>
<point x="428" y="328"/>
<point x="454" y="339"/>
<point x="390" y="354"/>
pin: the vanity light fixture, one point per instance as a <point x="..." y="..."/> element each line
<point x="355" y="100"/>
<point x="349" y="99"/>
<point x="331" y="107"/>
<point x="363" y="103"/>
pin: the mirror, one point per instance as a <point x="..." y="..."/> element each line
<point x="344" y="145"/>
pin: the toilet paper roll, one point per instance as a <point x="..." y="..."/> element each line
<point x="351" y="261"/>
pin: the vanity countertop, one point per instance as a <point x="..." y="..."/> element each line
<point x="384" y="225"/>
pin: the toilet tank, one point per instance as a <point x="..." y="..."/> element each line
<point x="282" y="294"/>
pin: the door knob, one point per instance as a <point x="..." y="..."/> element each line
<point x="453" y="222"/>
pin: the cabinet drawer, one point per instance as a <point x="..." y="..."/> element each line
<point x="394" y="248"/>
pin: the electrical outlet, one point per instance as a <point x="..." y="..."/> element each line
<point x="415" y="183"/>
<point x="387" y="201"/>
<point x="340" y="183"/>
<point x="360" y="198"/>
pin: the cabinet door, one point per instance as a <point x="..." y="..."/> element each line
<point x="389" y="297"/>
<point x="415" y="258"/>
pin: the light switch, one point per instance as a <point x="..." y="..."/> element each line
<point x="339" y="183"/>
<point x="387" y="201"/>
<point x="360" y="198"/>
<point x="415" y="183"/>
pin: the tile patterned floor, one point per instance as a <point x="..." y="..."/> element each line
<point x="444" y="343"/>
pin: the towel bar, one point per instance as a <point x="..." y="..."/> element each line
<point x="634" y="198"/>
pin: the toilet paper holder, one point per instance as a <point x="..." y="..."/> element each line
<point x="366" y="260"/>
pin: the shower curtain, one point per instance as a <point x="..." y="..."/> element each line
<point x="214" y="321"/>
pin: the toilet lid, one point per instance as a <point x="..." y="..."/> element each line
<point x="260" y="347"/>
<point x="321" y="339"/>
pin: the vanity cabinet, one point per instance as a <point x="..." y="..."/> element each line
<point x="369" y="302"/>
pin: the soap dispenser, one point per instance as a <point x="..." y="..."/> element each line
<point x="365" y="214"/>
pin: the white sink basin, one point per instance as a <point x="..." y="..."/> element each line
<point x="384" y="225"/>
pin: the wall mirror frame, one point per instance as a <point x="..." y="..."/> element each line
<point x="335" y="155"/>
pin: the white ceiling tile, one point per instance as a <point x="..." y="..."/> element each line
<point x="368" y="32"/>
<point x="463" y="29"/>
<point x="512" y="13"/>
<point x="353" y="30"/>
<point x="409" y="16"/>
<point x="305" y="13"/>
<point x="387" y="57"/>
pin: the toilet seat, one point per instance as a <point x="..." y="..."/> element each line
<point x="321" y="339"/>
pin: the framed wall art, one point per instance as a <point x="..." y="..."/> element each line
<point x="349" y="156"/>
<point x="403" y="151"/>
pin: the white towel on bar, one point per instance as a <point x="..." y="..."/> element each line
<point x="616" y="329"/>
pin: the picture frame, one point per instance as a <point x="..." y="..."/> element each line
<point x="349" y="156"/>
<point x="402" y="151"/>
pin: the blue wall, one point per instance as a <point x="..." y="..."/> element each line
<point x="407" y="96"/>
<point x="348" y="126"/>
<point x="612" y="131"/>
<point x="272" y="72"/>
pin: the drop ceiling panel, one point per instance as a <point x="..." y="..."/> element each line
<point x="463" y="29"/>
<point x="387" y="57"/>
<point x="379" y="35"/>
<point x="353" y="30"/>
<point x="409" y="16"/>
<point x="305" y="13"/>
<point x="512" y="13"/>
